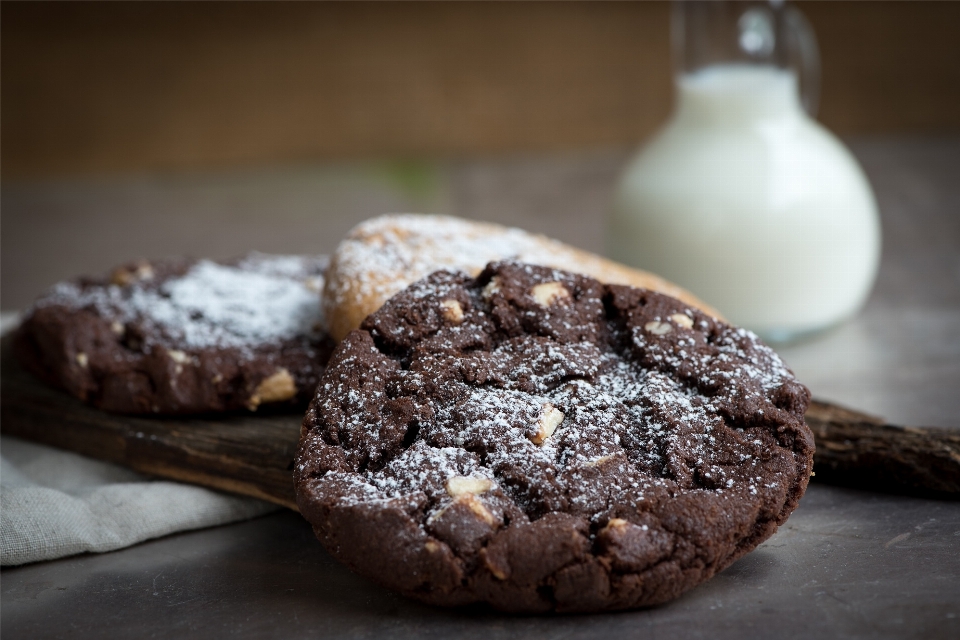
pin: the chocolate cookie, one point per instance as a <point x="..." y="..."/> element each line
<point x="541" y="441"/>
<point x="182" y="336"/>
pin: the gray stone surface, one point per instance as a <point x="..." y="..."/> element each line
<point x="847" y="564"/>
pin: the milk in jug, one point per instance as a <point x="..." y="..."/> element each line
<point x="743" y="198"/>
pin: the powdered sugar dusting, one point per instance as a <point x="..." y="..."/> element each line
<point x="383" y="255"/>
<point x="217" y="305"/>
<point x="260" y="300"/>
<point x="642" y="412"/>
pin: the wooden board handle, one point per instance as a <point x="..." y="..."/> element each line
<point x="858" y="450"/>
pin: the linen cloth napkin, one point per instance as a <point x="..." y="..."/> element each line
<point x="55" y="503"/>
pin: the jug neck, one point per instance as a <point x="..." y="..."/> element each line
<point x="731" y="93"/>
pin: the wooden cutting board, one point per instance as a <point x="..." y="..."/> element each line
<point x="249" y="454"/>
<point x="252" y="454"/>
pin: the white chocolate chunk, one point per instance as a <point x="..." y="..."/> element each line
<point x="479" y="509"/>
<point x="492" y="287"/>
<point x="471" y="502"/>
<point x="549" y="421"/>
<point x="178" y="356"/>
<point x="616" y="523"/>
<point x="280" y="386"/>
<point x="600" y="461"/>
<point x="682" y="320"/>
<point x="547" y="293"/>
<point x="452" y="311"/>
<point x="460" y="485"/>
<point x="658" y="328"/>
<point x="82" y="359"/>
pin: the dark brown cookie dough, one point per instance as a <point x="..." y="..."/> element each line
<point x="183" y="336"/>
<point x="540" y="441"/>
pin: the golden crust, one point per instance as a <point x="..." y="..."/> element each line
<point x="384" y="255"/>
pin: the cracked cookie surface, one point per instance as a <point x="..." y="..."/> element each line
<point x="540" y="441"/>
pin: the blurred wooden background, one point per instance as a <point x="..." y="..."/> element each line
<point x="129" y="87"/>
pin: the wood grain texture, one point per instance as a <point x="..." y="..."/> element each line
<point x="120" y="87"/>
<point x="253" y="454"/>
<point x="247" y="454"/>
<point x="857" y="450"/>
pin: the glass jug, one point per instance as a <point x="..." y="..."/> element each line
<point x="742" y="197"/>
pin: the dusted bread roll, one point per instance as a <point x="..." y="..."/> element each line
<point x="384" y="255"/>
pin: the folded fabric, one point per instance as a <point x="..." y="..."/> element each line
<point x="55" y="503"/>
